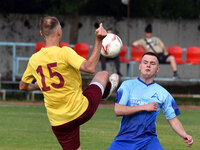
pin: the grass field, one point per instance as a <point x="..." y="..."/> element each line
<point x="27" y="128"/>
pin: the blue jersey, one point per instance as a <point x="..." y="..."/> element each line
<point x="140" y="126"/>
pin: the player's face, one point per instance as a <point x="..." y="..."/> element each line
<point x="149" y="66"/>
<point x="148" y="34"/>
<point x="109" y="31"/>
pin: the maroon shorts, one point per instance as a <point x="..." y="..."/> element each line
<point x="68" y="134"/>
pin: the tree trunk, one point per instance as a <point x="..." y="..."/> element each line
<point x="74" y="29"/>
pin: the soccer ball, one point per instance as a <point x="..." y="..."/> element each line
<point x="111" y="45"/>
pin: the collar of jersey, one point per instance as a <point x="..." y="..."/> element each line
<point x="46" y="49"/>
<point x="145" y="83"/>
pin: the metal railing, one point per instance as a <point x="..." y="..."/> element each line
<point x="14" y="57"/>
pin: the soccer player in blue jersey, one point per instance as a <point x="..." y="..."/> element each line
<point x="139" y="101"/>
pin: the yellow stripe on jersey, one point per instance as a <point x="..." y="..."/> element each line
<point x="57" y="73"/>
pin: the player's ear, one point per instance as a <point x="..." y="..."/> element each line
<point x="42" y="34"/>
<point x="158" y="69"/>
<point x="140" y="66"/>
<point x="59" y="31"/>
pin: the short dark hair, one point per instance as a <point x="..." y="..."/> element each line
<point x="47" y="24"/>
<point x="151" y="54"/>
<point x="148" y="28"/>
<point x="109" y="30"/>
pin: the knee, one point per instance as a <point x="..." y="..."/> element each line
<point x="102" y="77"/>
<point x="103" y="74"/>
<point x="172" y="58"/>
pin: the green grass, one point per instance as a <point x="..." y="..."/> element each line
<point x="27" y="128"/>
<point x="187" y="101"/>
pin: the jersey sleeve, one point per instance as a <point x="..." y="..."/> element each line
<point x="122" y="94"/>
<point x="169" y="107"/>
<point x="73" y="58"/>
<point x="28" y="76"/>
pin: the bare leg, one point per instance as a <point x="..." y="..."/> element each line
<point x="117" y="65"/>
<point x="79" y="148"/>
<point x="103" y="62"/>
<point x="101" y="77"/>
<point x="172" y="61"/>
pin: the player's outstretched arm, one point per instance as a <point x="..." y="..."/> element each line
<point x="178" y="128"/>
<point x="28" y="86"/>
<point x="122" y="110"/>
<point x="134" y="44"/>
<point x="90" y="64"/>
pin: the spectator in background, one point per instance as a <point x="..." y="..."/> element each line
<point x="155" y="45"/>
<point x="115" y="59"/>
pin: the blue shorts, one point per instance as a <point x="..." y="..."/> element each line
<point x="150" y="143"/>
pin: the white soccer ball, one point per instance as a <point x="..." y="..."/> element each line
<point x="111" y="45"/>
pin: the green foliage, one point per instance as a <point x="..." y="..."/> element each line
<point x="181" y="9"/>
<point x="65" y="6"/>
<point x="170" y="9"/>
<point x="105" y="8"/>
<point x="149" y="8"/>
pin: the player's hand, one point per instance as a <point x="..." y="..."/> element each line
<point x="165" y="53"/>
<point x="100" y="33"/>
<point x="189" y="140"/>
<point x="36" y="86"/>
<point x="151" y="106"/>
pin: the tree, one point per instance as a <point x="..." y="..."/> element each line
<point x="169" y="9"/>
